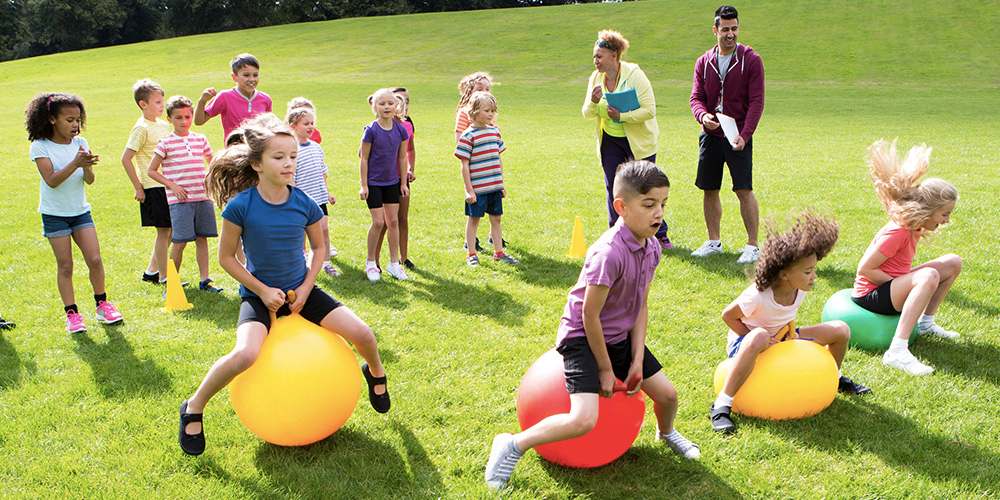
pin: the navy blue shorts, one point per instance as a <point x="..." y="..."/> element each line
<point x="486" y="203"/>
<point x="580" y="366"/>
<point x="57" y="226"/>
<point x="713" y="152"/>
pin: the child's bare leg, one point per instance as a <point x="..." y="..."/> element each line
<point x="158" y="262"/>
<point x="496" y="234"/>
<point x="201" y="255"/>
<point x="344" y="322"/>
<point x="86" y="239"/>
<point x="582" y="417"/>
<point x="177" y="254"/>
<point x="471" y="226"/>
<point x="911" y="294"/>
<point x="381" y="238"/>
<point x="833" y="334"/>
<point x="392" y="230"/>
<point x="249" y="337"/>
<point x="324" y="225"/>
<point x="753" y="344"/>
<point x="375" y="232"/>
<point x="62" y="247"/>
<point x="948" y="267"/>
<point x="404" y="228"/>
<point x="664" y="396"/>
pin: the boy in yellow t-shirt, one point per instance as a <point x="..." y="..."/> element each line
<point x="151" y="195"/>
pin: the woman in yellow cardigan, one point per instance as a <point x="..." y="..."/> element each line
<point x="621" y="136"/>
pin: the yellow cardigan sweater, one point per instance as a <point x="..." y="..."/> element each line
<point x="641" y="128"/>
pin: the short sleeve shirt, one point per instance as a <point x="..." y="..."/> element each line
<point x="67" y="199"/>
<point x="235" y="107"/>
<point x="310" y="170"/>
<point x="482" y="148"/>
<point x="383" y="159"/>
<point x="626" y="266"/>
<point x="761" y="311"/>
<point x="273" y="236"/>
<point x="184" y="164"/>
<point x="143" y="139"/>
<point x="898" y="244"/>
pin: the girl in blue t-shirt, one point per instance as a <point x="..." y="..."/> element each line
<point x="271" y="218"/>
<point x="65" y="163"/>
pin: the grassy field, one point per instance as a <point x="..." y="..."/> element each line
<point x="95" y="415"/>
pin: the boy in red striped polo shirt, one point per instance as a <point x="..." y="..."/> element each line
<point x="479" y="149"/>
<point x="179" y="164"/>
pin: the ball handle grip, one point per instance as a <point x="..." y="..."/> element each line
<point x="289" y="298"/>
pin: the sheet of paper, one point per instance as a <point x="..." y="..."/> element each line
<point x="728" y="128"/>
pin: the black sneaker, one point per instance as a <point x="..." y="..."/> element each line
<point x="409" y="264"/>
<point x="848" y="386"/>
<point x="6" y="325"/>
<point x="206" y="286"/>
<point x="151" y="278"/>
<point x="479" y="248"/>
<point x="504" y="246"/>
<point x="722" y="420"/>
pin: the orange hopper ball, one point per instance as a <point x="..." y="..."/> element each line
<point x="303" y="386"/>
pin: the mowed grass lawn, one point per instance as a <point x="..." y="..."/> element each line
<point x="95" y="415"/>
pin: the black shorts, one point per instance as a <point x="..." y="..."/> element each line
<point x="581" y="367"/>
<point x="879" y="300"/>
<point x="713" y="151"/>
<point x="317" y="306"/>
<point x="380" y="195"/>
<point x="154" y="211"/>
<point x="322" y="206"/>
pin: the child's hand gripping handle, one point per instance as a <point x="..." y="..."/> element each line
<point x="289" y="298"/>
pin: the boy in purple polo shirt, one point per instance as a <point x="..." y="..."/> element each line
<point x="602" y="333"/>
<point x="238" y="103"/>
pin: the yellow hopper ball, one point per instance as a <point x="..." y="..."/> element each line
<point x="792" y="379"/>
<point x="303" y="386"/>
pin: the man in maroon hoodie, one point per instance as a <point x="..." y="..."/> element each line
<point x="728" y="79"/>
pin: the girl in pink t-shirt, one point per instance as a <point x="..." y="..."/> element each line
<point x="475" y="82"/>
<point x="764" y="314"/>
<point x="886" y="283"/>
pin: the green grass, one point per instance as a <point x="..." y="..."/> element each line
<point x="95" y="415"/>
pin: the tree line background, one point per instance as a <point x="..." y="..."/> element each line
<point x="35" y="27"/>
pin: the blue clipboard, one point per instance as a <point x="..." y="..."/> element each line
<point x="624" y="101"/>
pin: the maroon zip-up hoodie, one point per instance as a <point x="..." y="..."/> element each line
<point x="743" y="89"/>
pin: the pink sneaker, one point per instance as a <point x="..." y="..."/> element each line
<point x="74" y="322"/>
<point x="108" y="314"/>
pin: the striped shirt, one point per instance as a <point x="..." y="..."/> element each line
<point x="482" y="148"/>
<point x="310" y="168"/>
<point x="184" y="160"/>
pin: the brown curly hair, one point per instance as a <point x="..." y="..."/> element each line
<point x="809" y="235"/>
<point x="45" y="106"/>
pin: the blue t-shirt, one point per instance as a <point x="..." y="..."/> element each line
<point x="383" y="160"/>
<point x="273" y="236"/>
<point x="66" y="199"/>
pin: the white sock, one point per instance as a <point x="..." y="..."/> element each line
<point x="899" y="345"/>
<point x="723" y="399"/>
<point x="925" y="322"/>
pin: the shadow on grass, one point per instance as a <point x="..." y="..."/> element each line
<point x="856" y="424"/>
<point x="964" y="357"/>
<point x="206" y="467"/>
<point x="723" y="264"/>
<point x="959" y="299"/>
<point x="219" y="308"/>
<point x="11" y="365"/>
<point x="838" y="278"/>
<point x="353" y="282"/>
<point x="349" y="464"/>
<point x="117" y="371"/>
<point x="457" y="296"/>
<point x="669" y="477"/>
<point x="545" y="271"/>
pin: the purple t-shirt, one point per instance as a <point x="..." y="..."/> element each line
<point x="383" y="160"/>
<point x="620" y="262"/>
<point x="235" y="107"/>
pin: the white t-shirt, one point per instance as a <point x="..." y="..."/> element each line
<point x="68" y="198"/>
<point x="761" y="311"/>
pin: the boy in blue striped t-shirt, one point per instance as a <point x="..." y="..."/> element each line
<point x="479" y="148"/>
<point x="310" y="172"/>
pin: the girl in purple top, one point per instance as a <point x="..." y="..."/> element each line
<point x="384" y="180"/>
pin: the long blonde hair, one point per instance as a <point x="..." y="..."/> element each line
<point x="232" y="170"/>
<point x="467" y="84"/>
<point x="908" y="200"/>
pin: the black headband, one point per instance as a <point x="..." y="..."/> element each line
<point x="604" y="44"/>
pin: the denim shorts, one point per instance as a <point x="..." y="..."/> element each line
<point x="57" y="226"/>
<point x="486" y="203"/>
<point x="192" y="220"/>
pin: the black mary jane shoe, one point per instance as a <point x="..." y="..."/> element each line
<point x="192" y="444"/>
<point x="848" y="386"/>
<point x="379" y="401"/>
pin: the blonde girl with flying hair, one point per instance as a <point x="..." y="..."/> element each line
<point x="886" y="282"/>
<point x="479" y="81"/>
<point x="254" y="181"/>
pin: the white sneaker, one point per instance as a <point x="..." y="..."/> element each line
<point x="503" y="457"/>
<point x="708" y="248"/>
<point x="396" y="271"/>
<point x="937" y="331"/>
<point x="680" y="444"/>
<point x="907" y="362"/>
<point x="373" y="273"/>
<point x="749" y="255"/>
<point x="333" y="251"/>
